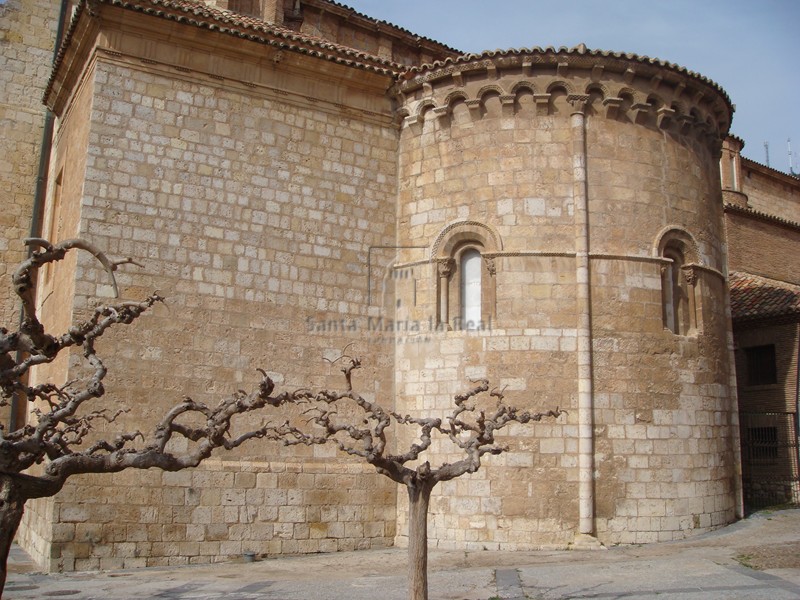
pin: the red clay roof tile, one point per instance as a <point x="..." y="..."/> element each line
<point x="755" y="297"/>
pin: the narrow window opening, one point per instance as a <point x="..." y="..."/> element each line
<point x="465" y="278"/>
<point x="679" y="282"/>
<point x="471" y="289"/>
<point x="54" y="224"/>
<point x="676" y="294"/>
<point x="762" y="444"/>
<point x="761" y="365"/>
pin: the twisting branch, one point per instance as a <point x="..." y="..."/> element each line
<point x="62" y="417"/>
<point x="468" y="428"/>
<point x="25" y="276"/>
<point x="362" y="432"/>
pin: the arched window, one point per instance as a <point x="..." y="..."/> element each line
<point x="675" y="293"/>
<point x="678" y="282"/>
<point x="465" y="276"/>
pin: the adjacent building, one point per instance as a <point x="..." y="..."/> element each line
<point x="762" y="215"/>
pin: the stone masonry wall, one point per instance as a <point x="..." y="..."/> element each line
<point x="27" y="36"/>
<point x="266" y="196"/>
<point x="458" y="172"/>
<point x="219" y="511"/>
<point x="665" y="419"/>
<point x="488" y="157"/>
<point x="56" y="282"/>
<point x="254" y="216"/>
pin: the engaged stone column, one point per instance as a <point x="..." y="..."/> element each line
<point x="584" y="321"/>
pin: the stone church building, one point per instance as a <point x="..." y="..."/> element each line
<point x="298" y="178"/>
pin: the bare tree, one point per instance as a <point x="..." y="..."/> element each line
<point x="50" y="446"/>
<point x="62" y="416"/>
<point x="469" y="428"/>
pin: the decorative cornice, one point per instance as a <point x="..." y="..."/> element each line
<point x="654" y="260"/>
<point x="649" y="92"/>
<point x="579" y="56"/>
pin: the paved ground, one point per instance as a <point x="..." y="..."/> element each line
<point x="757" y="558"/>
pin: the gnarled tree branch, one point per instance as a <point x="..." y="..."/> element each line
<point x="360" y="430"/>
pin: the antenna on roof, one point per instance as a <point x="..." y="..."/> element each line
<point x="766" y="151"/>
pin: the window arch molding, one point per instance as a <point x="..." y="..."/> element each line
<point x="459" y="232"/>
<point x="465" y="286"/>
<point x="680" y="258"/>
<point x="675" y="235"/>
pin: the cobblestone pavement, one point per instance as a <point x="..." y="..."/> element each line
<point x="757" y="558"/>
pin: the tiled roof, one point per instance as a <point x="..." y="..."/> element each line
<point x="391" y="25"/>
<point x="754" y="297"/>
<point x="199" y="14"/>
<point x="295" y="41"/>
<point x="749" y="162"/>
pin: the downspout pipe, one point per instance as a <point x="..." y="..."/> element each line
<point x="17" y="418"/>
<point x="586" y="489"/>
<point x="40" y="193"/>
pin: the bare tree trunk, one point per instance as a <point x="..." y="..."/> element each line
<point x="419" y="495"/>
<point x="12" y="505"/>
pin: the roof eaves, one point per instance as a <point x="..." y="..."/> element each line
<point x="749" y="163"/>
<point x="390" y="25"/>
<point x="230" y="23"/>
<point x="756" y="298"/>
<point x="761" y="216"/>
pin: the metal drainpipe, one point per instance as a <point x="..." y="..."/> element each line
<point x="584" y="324"/>
<point x="17" y="419"/>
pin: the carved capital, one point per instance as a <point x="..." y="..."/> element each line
<point x="507" y="101"/>
<point x="445" y="267"/>
<point x="612" y="107"/>
<point x="412" y="121"/>
<point x="665" y="117"/>
<point x="578" y="101"/>
<point x="641" y="112"/>
<point x="685" y="123"/>
<point x="490" y="265"/>
<point x="542" y="104"/>
<point x="475" y="108"/>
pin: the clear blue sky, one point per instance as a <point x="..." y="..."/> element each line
<point x="749" y="47"/>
